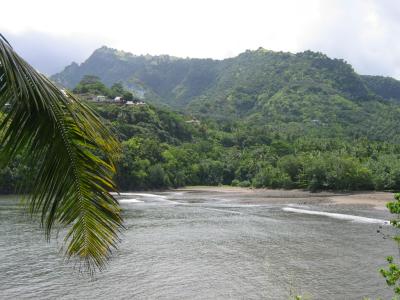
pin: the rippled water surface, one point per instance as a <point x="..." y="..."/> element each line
<point x="207" y="245"/>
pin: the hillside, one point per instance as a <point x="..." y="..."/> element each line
<point x="386" y="87"/>
<point x="306" y="92"/>
<point x="262" y="119"/>
<point x="156" y="77"/>
<point x="180" y="81"/>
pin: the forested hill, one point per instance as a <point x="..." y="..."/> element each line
<point x="262" y="119"/>
<point x="295" y="94"/>
<point x="181" y="81"/>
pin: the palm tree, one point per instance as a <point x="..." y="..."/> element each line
<point x="73" y="156"/>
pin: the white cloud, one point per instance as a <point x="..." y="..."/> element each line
<point x="364" y="32"/>
<point x="361" y="31"/>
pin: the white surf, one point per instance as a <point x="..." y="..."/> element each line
<point x="129" y="201"/>
<point x="353" y="218"/>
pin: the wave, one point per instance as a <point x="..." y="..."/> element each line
<point x="129" y="201"/>
<point x="338" y="216"/>
<point x="160" y="198"/>
<point x="139" y="194"/>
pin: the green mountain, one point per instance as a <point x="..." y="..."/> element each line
<point x="262" y="119"/>
<point x="306" y="92"/>
<point x="167" y="79"/>
<point x="386" y="87"/>
<point x="179" y="81"/>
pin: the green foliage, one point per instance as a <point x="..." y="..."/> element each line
<point x="306" y="93"/>
<point x="91" y="84"/>
<point x="267" y="119"/>
<point x="146" y="121"/>
<point x="244" y="183"/>
<point x="71" y="153"/>
<point x="392" y="271"/>
<point x="329" y="171"/>
<point x="128" y="96"/>
<point x="272" y="177"/>
<point x="13" y="177"/>
<point x="157" y="176"/>
<point x="213" y="154"/>
<point x="386" y="172"/>
<point x="386" y="87"/>
<point x="263" y="157"/>
<point x="117" y="89"/>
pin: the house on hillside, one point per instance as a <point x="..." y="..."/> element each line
<point x="100" y="98"/>
<point x="193" y="121"/>
<point x="135" y="102"/>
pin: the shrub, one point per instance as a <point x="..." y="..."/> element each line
<point x="244" y="183"/>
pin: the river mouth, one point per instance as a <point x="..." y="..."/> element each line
<point x="203" y="244"/>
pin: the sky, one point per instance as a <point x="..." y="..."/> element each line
<point x="50" y="34"/>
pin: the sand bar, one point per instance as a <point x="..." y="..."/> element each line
<point x="254" y="196"/>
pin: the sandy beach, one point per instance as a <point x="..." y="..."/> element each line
<point x="253" y="196"/>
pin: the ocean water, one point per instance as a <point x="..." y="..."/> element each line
<point x="207" y="245"/>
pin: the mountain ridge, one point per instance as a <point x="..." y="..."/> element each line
<point x="113" y="65"/>
<point x="303" y="92"/>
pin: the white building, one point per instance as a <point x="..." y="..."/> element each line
<point x="100" y="98"/>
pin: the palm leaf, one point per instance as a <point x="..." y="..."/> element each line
<point x="73" y="153"/>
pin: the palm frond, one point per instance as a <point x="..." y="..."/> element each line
<point x="73" y="153"/>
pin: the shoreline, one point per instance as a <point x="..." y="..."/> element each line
<point x="251" y="196"/>
<point x="370" y="198"/>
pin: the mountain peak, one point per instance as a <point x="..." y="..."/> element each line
<point x="105" y="50"/>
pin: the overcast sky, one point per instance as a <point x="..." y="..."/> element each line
<point x="51" y="34"/>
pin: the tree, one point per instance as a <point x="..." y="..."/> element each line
<point x="92" y="84"/>
<point x="392" y="273"/>
<point x="117" y="89"/>
<point x="73" y="155"/>
<point x="157" y="176"/>
<point x="128" y="96"/>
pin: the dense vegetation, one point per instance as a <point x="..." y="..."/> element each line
<point x="91" y="85"/>
<point x="304" y="93"/>
<point x="392" y="272"/>
<point x="179" y="81"/>
<point x="161" y="149"/>
<point x="262" y="119"/>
